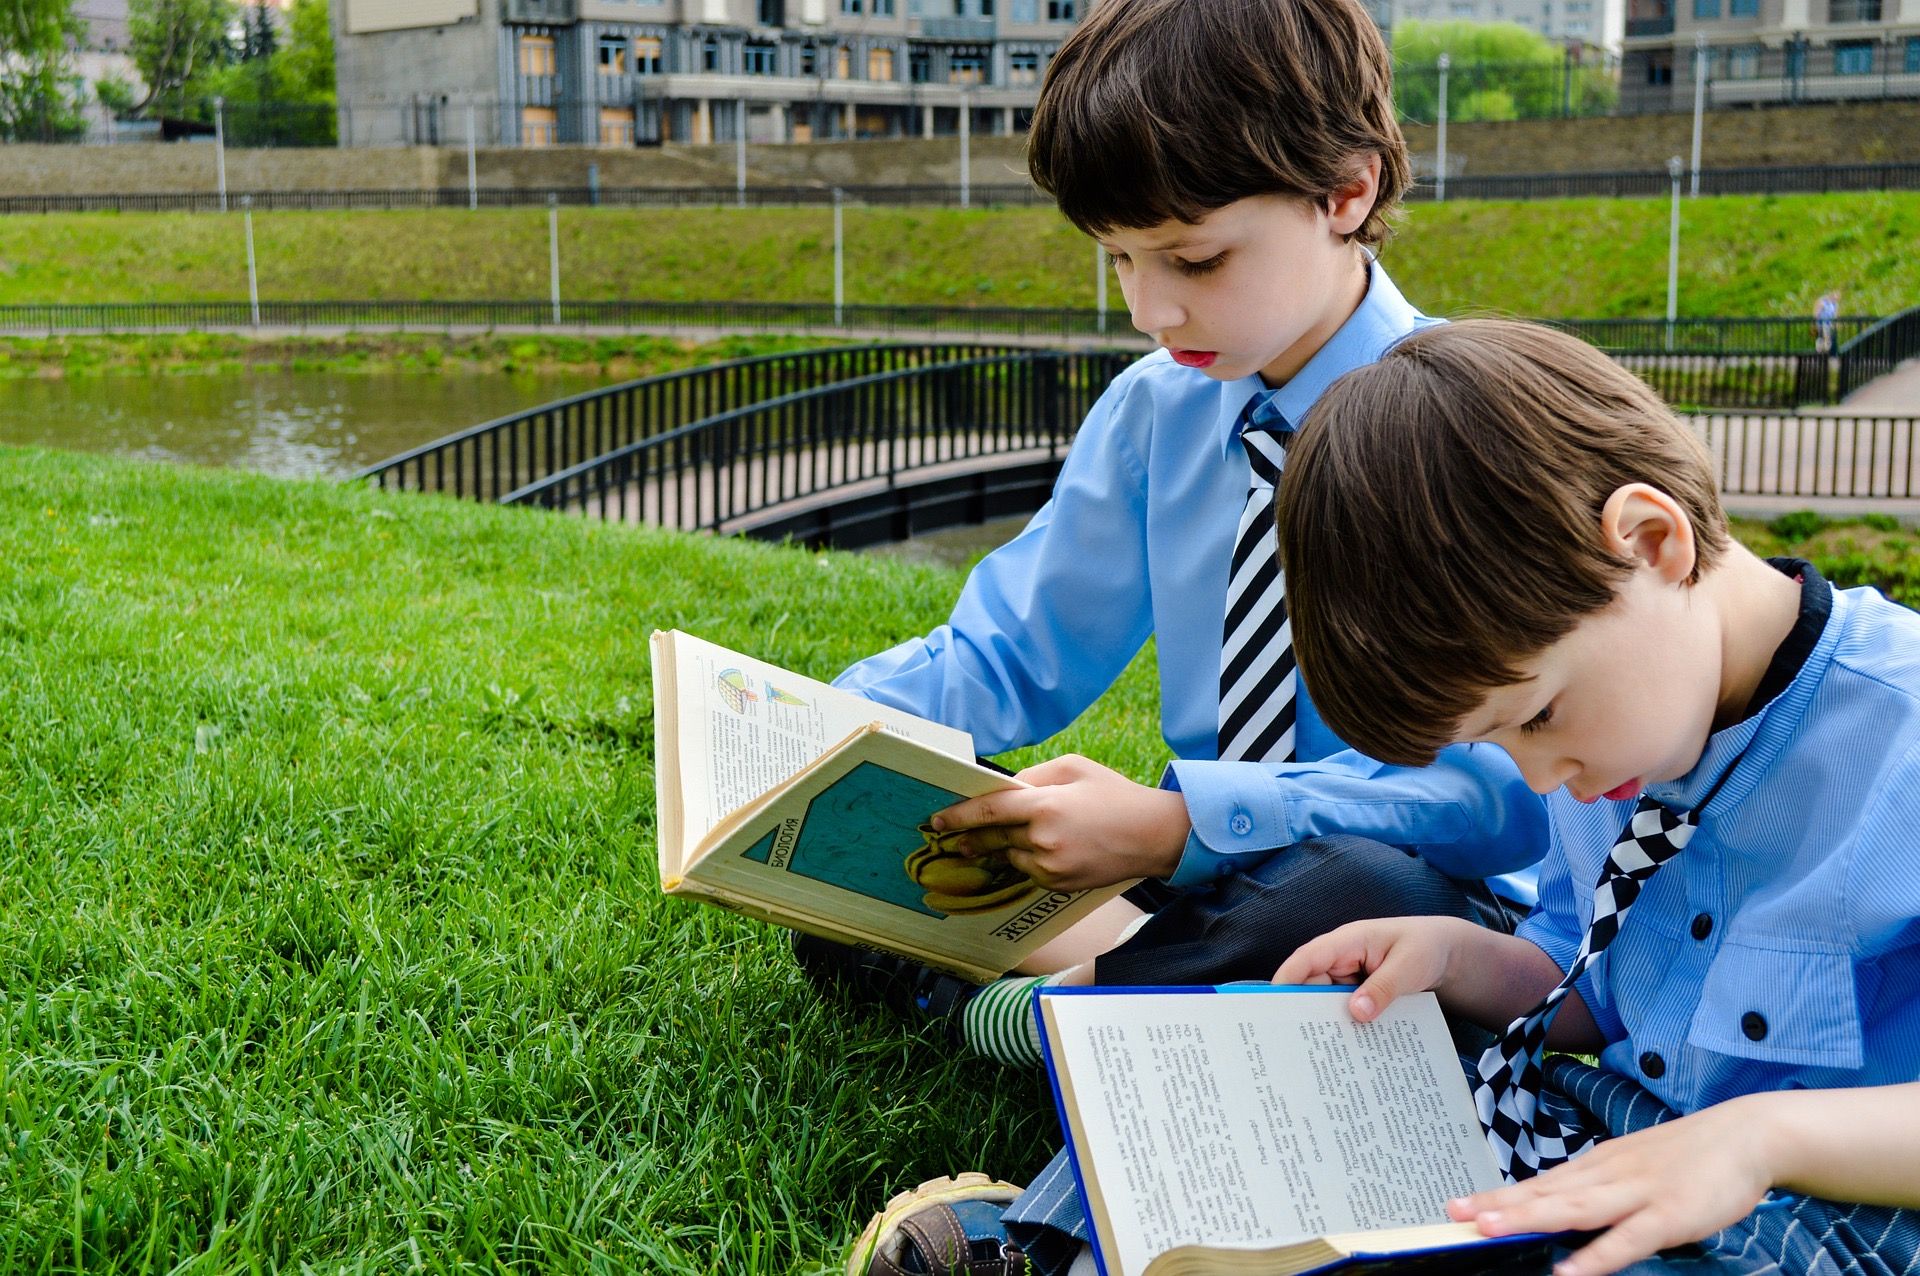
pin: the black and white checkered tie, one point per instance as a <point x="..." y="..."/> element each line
<point x="1526" y="1140"/>
<point x="1256" y="649"/>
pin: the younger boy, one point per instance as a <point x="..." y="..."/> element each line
<point x="1495" y="536"/>
<point x="1239" y="159"/>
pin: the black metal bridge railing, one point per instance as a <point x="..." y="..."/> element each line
<point x="1879" y="350"/>
<point x="979" y="436"/>
<point x="492" y="460"/>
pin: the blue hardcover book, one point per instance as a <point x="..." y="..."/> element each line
<point x="1253" y="1129"/>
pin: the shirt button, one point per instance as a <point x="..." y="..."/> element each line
<point x="1241" y="825"/>
<point x="1702" y="926"/>
<point x="1754" y="1025"/>
<point x="1653" y="1065"/>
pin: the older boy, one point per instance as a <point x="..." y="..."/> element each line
<point x="1239" y="160"/>
<point x="1495" y="536"/>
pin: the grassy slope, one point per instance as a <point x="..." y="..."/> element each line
<point x="332" y="934"/>
<point x="1742" y="255"/>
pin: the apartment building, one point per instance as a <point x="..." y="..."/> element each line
<point x="1755" y="51"/>
<point x="638" y="72"/>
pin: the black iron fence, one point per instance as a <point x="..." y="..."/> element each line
<point x="1878" y="350"/>
<point x="941" y="422"/>
<point x="490" y="461"/>
<point x="1814" y="456"/>
<point x="1610" y="184"/>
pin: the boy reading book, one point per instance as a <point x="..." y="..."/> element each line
<point x="1497" y="537"/>
<point x="1239" y="160"/>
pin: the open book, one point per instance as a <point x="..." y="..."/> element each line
<point x="795" y="802"/>
<point x="1261" y="1130"/>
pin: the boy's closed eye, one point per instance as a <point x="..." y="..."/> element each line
<point x="1538" y="721"/>
<point x="1205" y="267"/>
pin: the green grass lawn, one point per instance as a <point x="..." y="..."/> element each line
<point x="1758" y="255"/>
<point x="332" y="937"/>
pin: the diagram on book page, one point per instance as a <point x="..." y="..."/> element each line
<point x="866" y="834"/>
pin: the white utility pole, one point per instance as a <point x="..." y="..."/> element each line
<point x="1699" y="102"/>
<point x="740" y="155"/>
<point x="966" y="148"/>
<point x="1100" y="288"/>
<point x="1440" y="150"/>
<point x="553" y="253"/>
<point x="253" y="273"/>
<point x="1673" y="251"/>
<point x="839" y="264"/>
<point x="220" y="148"/>
<point x="473" y="164"/>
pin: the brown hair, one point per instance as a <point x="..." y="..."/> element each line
<point x="1439" y="521"/>
<point x="1165" y="110"/>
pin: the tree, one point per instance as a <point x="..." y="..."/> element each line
<point x="1497" y="71"/>
<point x="286" y="96"/>
<point x="39" y="93"/>
<point x="176" y="42"/>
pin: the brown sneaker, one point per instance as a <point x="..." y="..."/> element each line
<point x="944" y="1227"/>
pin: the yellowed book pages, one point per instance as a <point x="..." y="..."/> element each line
<point x="796" y="802"/>
<point x="1309" y="1255"/>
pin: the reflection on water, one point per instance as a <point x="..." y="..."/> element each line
<point x="293" y="424"/>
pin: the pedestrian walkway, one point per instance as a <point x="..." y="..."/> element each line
<point x="1896" y="394"/>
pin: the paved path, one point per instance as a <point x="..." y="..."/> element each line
<point x="1897" y="392"/>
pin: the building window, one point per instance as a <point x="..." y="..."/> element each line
<point x="920" y="65"/>
<point x="1913" y="55"/>
<point x="616" y="126"/>
<point x="1853" y="11"/>
<point x="850" y="6"/>
<point x="1023" y="68"/>
<point x="879" y="64"/>
<point x="1660" y="69"/>
<point x="536" y="55"/>
<point x="613" y="55"/>
<point x="646" y="54"/>
<point x="1743" y="63"/>
<point x="1743" y="8"/>
<point x="1024" y="10"/>
<point x="809" y="59"/>
<point x="1853" y="57"/>
<point x="757" y="58"/>
<point x="1705" y="9"/>
<point x="539" y="126"/>
<point x="710" y="54"/>
<point x="1059" y="10"/>
<point x="773" y="13"/>
<point x="843" y="63"/>
<point x="968" y="66"/>
<point x="881" y="8"/>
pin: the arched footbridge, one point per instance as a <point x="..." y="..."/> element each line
<point x="855" y="445"/>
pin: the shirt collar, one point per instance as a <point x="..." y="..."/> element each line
<point x="1383" y="317"/>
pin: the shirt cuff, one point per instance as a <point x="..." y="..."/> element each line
<point x="1237" y="818"/>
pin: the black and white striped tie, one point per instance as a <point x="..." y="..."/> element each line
<point x="1526" y="1140"/>
<point x="1256" y="650"/>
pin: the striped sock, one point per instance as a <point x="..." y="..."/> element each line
<point x="998" y="1022"/>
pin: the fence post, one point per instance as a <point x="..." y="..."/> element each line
<point x="1673" y="251"/>
<point x="253" y="275"/>
<point x="966" y="148"/>
<point x="553" y="253"/>
<point x="1440" y="157"/>
<point x="473" y="165"/>
<point x="1699" y="103"/>
<point x="220" y="148"/>
<point x="740" y="154"/>
<point x="839" y="264"/>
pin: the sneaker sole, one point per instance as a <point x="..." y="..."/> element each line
<point x="971" y="1186"/>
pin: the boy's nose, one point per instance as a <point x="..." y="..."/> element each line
<point x="1544" y="775"/>
<point x="1152" y="311"/>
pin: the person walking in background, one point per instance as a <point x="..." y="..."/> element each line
<point x="1826" y="314"/>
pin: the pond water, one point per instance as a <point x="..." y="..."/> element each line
<point x="291" y="424"/>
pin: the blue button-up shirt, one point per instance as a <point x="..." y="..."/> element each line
<point x="1781" y="948"/>
<point x="1136" y="541"/>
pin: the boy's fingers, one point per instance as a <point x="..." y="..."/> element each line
<point x="1011" y="806"/>
<point x="1638" y="1236"/>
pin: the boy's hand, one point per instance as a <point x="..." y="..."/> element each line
<point x="1388" y="958"/>
<point x="1665" y="1185"/>
<point x="1083" y="825"/>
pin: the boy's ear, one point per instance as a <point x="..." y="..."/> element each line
<point x="1642" y="522"/>
<point x="1351" y="203"/>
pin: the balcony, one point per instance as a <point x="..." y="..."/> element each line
<point x="971" y="30"/>
<point x="1840" y="11"/>
<point x="1657" y="24"/>
<point x="542" y="12"/>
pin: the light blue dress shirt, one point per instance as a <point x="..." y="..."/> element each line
<point x="1781" y="948"/>
<point x="1136" y="541"/>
